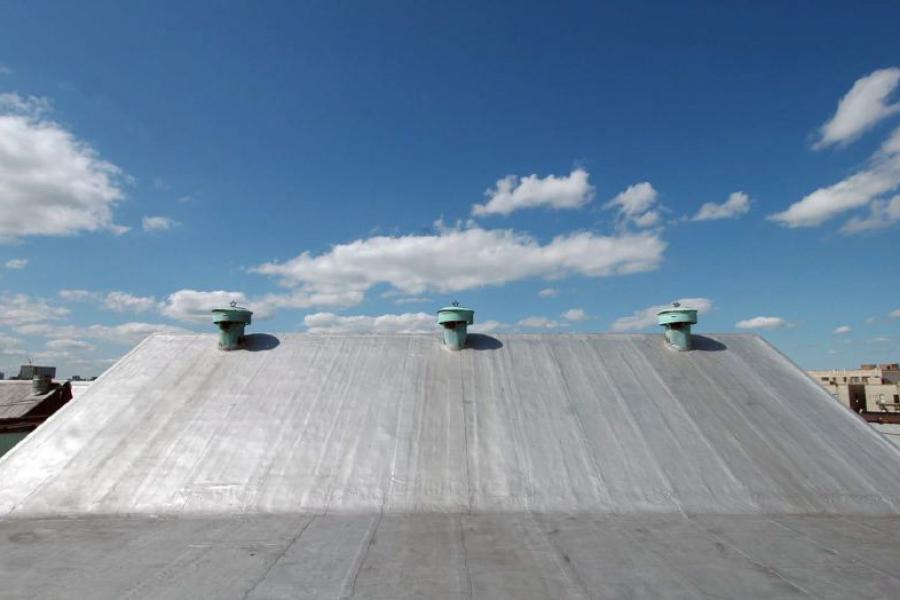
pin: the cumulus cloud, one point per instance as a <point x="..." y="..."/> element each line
<point x="512" y="193"/>
<point x="129" y="333"/>
<point x="77" y="295"/>
<point x="881" y="176"/>
<point x="21" y="309"/>
<point x="548" y="292"/>
<point x="457" y="259"/>
<point x="158" y="223"/>
<point x="51" y="183"/>
<point x="412" y="300"/>
<point x="70" y="345"/>
<point x="861" y="108"/>
<point x="326" y="322"/>
<point x="540" y="323"/>
<point x="637" y="206"/>
<point x="882" y="214"/>
<point x="116" y="301"/>
<point x="895" y="314"/>
<point x="124" y="302"/>
<point x="195" y="305"/>
<point x="761" y="323"/>
<point x="123" y="334"/>
<point x="16" y="263"/>
<point x="10" y="346"/>
<point x="574" y="315"/>
<point x="646" y="317"/>
<point x="738" y="203"/>
<point x="842" y="329"/>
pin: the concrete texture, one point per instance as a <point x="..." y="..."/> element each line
<point x="495" y="556"/>
<point x="528" y="466"/>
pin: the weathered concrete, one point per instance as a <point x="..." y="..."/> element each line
<point x="608" y="423"/>
<point x="530" y="466"/>
<point x="520" y="556"/>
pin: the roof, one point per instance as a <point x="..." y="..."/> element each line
<point x="16" y="399"/>
<point x="527" y="466"/>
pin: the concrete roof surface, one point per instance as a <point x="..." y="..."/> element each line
<point x="527" y="466"/>
<point x="609" y="423"/>
<point x="514" y="556"/>
<point x="16" y="399"/>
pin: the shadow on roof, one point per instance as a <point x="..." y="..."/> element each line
<point x="705" y="344"/>
<point x="479" y="341"/>
<point x="255" y="342"/>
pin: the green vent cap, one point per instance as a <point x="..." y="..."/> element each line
<point x="456" y="314"/>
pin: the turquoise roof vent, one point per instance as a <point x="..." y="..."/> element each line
<point x="677" y="321"/>
<point x="231" y="322"/>
<point x="455" y="321"/>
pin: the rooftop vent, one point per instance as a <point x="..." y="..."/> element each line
<point x="455" y="321"/>
<point x="231" y="322"/>
<point x="677" y="321"/>
<point x="41" y="384"/>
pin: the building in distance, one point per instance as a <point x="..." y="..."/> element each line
<point x="872" y="390"/>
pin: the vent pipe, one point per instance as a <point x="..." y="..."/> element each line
<point x="231" y="322"/>
<point x="455" y="321"/>
<point x="677" y="321"/>
<point x="41" y="384"/>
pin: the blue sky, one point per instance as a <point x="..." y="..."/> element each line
<point x="353" y="167"/>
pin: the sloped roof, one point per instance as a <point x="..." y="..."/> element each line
<point x="16" y="399"/>
<point x="527" y="466"/>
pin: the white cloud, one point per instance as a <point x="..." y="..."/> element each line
<point x="10" y="345"/>
<point x="78" y="295"/>
<point x="575" y="314"/>
<point x="115" y="301"/>
<point x="646" y="317"/>
<point x="51" y="183"/>
<point x="17" y="263"/>
<point x="882" y="214"/>
<point x="738" y="203"/>
<point x="540" y="323"/>
<point x="412" y="300"/>
<point x="861" y="108"/>
<point x="325" y="322"/>
<point x="880" y="177"/>
<point x="636" y="205"/>
<point x="487" y="326"/>
<point x="842" y="329"/>
<point x="128" y="333"/>
<point x="457" y="259"/>
<point x="761" y="323"/>
<point x="195" y="306"/>
<point x="20" y="309"/>
<point x="548" y="292"/>
<point x="124" y="333"/>
<point x="70" y="345"/>
<point x="158" y="223"/>
<point x="124" y="302"/>
<point x="512" y="193"/>
<point x="895" y="314"/>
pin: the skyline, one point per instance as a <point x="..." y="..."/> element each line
<point x="353" y="170"/>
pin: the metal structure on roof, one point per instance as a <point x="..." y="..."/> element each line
<point x="523" y="466"/>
